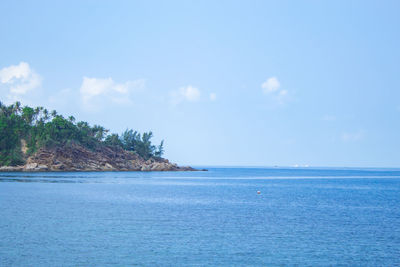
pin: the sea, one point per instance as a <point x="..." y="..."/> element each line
<point x="221" y="217"/>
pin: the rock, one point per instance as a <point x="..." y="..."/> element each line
<point x="58" y="167"/>
<point x="155" y="167"/>
<point x="108" y="167"/>
<point x="41" y="168"/>
<point x="11" y="168"/>
<point x="74" y="157"/>
<point x="145" y="168"/>
<point x="30" y="166"/>
<point x="35" y="167"/>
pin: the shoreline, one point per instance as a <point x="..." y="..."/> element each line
<point x="76" y="158"/>
<point x="41" y="168"/>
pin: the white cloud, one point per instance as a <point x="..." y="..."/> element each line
<point x="352" y="136"/>
<point x="19" y="80"/>
<point x="213" y="96"/>
<point x="272" y="88"/>
<point x="271" y="85"/>
<point x="188" y="93"/>
<point x="95" y="92"/>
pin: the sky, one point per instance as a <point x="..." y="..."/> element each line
<point x="233" y="83"/>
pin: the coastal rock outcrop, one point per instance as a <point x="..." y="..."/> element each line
<point x="78" y="158"/>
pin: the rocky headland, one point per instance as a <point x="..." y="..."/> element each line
<point x="78" y="158"/>
<point x="34" y="139"/>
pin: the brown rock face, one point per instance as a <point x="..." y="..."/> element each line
<point x="77" y="158"/>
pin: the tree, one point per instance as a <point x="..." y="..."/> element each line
<point x="99" y="132"/>
<point x="38" y="129"/>
<point x="129" y="139"/>
<point x="160" y="150"/>
<point x="45" y="115"/>
<point x="113" y="140"/>
<point x="28" y="115"/>
<point x="17" y="107"/>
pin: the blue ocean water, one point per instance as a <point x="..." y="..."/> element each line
<point x="302" y="217"/>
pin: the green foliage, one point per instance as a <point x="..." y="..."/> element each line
<point x="113" y="140"/>
<point x="141" y="144"/>
<point x="160" y="150"/>
<point x="38" y="128"/>
<point x="99" y="132"/>
<point x="12" y="127"/>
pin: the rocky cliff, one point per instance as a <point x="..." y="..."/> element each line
<point x="78" y="158"/>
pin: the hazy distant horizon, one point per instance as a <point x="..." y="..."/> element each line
<point x="294" y="167"/>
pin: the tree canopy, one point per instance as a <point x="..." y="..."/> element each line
<point x="37" y="127"/>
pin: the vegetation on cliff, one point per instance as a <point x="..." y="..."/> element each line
<point x="24" y="130"/>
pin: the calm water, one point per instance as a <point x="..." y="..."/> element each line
<point x="303" y="217"/>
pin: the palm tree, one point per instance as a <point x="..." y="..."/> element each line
<point x="45" y="115"/>
<point x="17" y="107"/>
<point x="99" y="132"/>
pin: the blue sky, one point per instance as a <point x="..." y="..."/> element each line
<point x="223" y="82"/>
